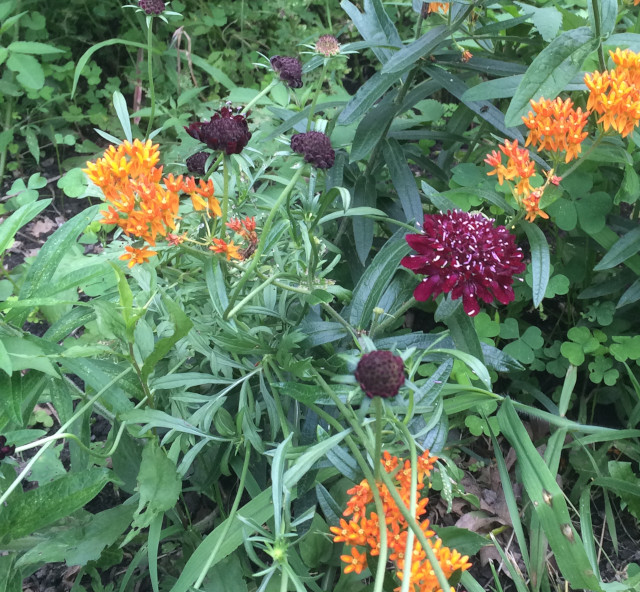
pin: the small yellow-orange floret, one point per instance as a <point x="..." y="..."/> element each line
<point x="136" y="256"/>
<point x="435" y="6"/>
<point x="519" y="168"/>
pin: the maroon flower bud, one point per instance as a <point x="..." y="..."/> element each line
<point x="315" y="147"/>
<point x="152" y="6"/>
<point x="327" y="45"/>
<point x="380" y="374"/>
<point x="466" y="255"/>
<point x="225" y="131"/>
<point x="4" y="449"/>
<point x="196" y="163"/>
<point x="289" y="70"/>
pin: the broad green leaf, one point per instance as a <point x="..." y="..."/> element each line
<point x="547" y="20"/>
<point x="364" y="195"/>
<point x="409" y="54"/>
<point x="624" y="248"/>
<point x="548" y="503"/>
<point x="5" y="360"/>
<point x="462" y="540"/>
<point x="25" y="354"/>
<point x="32" y="143"/>
<point x="159" y="485"/>
<point x="376" y="278"/>
<point x="29" y="72"/>
<point x="403" y="180"/>
<point x="19" y="218"/>
<point x="540" y="262"/>
<point x="551" y="70"/>
<point x="33" y="47"/>
<point x="120" y="105"/>
<point x="83" y="543"/>
<point x="182" y="325"/>
<point x="26" y="513"/>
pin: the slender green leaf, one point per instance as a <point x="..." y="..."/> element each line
<point x="551" y="70"/>
<point x="626" y="247"/>
<point x="540" y="261"/>
<point x="404" y="59"/>
<point x="120" y="105"/>
<point x="548" y="503"/>
<point x="376" y="278"/>
<point x="182" y="325"/>
<point x="33" y="48"/>
<point x="366" y="97"/>
<point x="371" y="128"/>
<point x="277" y="479"/>
<point x="403" y="181"/>
<point x="19" y="218"/>
<point x="364" y="196"/>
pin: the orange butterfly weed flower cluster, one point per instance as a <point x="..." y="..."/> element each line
<point x="141" y="201"/>
<point x="519" y="167"/>
<point x="436" y="6"/>
<point x="556" y="126"/>
<point x="361" y="534"/>
<point x="615" y="94"/>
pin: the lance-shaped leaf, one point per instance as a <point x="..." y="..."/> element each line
<point x="551" y="71"/>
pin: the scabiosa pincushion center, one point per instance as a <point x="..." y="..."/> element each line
<point x="289" y="70"/>
<point x="380" y="374"/>
<point x="152" y="6"/>
<point x="327" y="45"/>
<point x="225" y="131"/>
<point x="315" y="147"/>
<point x="466" y="255"/>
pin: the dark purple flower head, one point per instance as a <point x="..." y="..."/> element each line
<point x="289" y="70"/>
<point x="225" y="131"/>
<point x="195" y="163"/>
<point x="315" y="147"/>
<point x="380" y="374"/>
<point x="466" y="255"/>
<point x="152" y="6"/>
<point x="327" y="45"/>
<point x="4" y="449"/>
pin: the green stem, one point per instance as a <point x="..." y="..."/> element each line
<point x="596" y="24"/>
<point x="143" y="382"/>
<point x="366" y="470"/>
<point x="27" y="468"/>
<point x="152" y="90"/>
<point x="261" y="94"/>
<point x="7" y="122"/>
<point x="337" y="317"/>
<point x="226" y="165"/>
<point x="228" y="521"/>
<point x="317" y="92"/>
<point x="276" y="397"/>
<point x="377" y="402"/>
<point x="413" y="525"/>
<point x="284" y="580"/>
<point x="255" y="261"/>
<point x="393" y="318"/>
<point x="70" y="436"/>
<point x="250" y="296"/>
<point x="591" y="148"/>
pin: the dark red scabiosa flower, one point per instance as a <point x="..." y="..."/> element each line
<point x="466" y="255"/>
<point x="4" y="449"/>
<point x="289" y="70"/>
<point x="225" y="131"/>
<point x="327" y="45"/>
<point x="380" y="374"/>
<point x="195" y="164"/>
<point x="152" y="6"/>
<point x="315" y="147"/>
